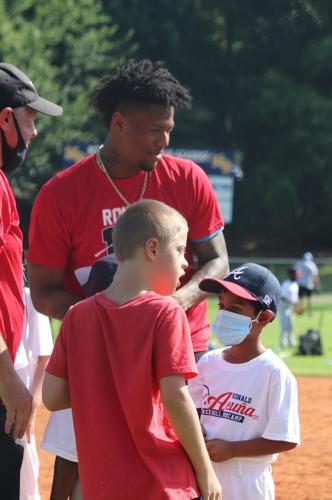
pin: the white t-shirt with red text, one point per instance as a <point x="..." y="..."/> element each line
<point x="247" y="400"/>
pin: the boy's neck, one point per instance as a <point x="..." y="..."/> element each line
<point x="127" y="284"/>
<point x="120" y="297"/>
<point x="244" y="352"/>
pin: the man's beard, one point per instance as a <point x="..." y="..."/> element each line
<point x="147" y="168"/>
<point x="13" y="157"/>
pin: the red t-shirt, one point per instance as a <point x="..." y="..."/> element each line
<point x="74" y="214"/>
<point x="11" y="270"/>
<point x="113" y="357"/>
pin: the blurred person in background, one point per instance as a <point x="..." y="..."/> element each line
<point x="289" y="299"/>
<point x="308" y="280"/>
<point x="30" y="363"/>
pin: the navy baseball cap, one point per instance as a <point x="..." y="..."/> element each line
<point x="100" y="277"/>
<point x="249" y="281"/>
<point x="16" y="90"/>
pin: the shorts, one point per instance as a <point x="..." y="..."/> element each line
<point x="304" y="292"/>
<point x="59" y="435"/>
<point x="245" y="479"/>
<point x="11" y="456"/>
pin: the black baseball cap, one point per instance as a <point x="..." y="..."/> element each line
<point x="16" y="90"/>
<point x="249" y="281"/>
<point x="100" y="277"/>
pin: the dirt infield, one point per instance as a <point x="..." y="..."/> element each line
<point x="302" y="474"/>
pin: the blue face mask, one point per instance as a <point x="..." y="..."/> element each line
<point x="231" y="328"/>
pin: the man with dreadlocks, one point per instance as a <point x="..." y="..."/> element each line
<point x="75" y="212"/>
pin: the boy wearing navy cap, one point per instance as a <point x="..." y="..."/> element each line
<point x="245" y="394"/>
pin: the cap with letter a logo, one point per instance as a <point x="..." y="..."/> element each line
<point x="250" y="281"/>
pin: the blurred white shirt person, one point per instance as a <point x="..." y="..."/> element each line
<point x="307" y="278"/>
<point x="32" y="357"/>
<point x="289" y="298"/>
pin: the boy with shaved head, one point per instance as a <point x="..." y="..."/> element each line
<point x="121" y="362"/>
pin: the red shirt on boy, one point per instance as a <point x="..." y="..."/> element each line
<point x="113" y="357"/>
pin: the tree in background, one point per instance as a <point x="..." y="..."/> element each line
<point x="260" y="73"/>
<point x="65" y="47"/>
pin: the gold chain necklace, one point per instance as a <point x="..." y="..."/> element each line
<point x="102" y="167"/>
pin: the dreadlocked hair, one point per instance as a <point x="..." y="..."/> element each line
<point x="139" y="82"/>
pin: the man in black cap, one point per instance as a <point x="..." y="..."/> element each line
<point x="19" y="104"/>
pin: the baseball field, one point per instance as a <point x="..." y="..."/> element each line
<point x="306" y="472"/>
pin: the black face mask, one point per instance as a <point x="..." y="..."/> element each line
<point x="13" y="157"/>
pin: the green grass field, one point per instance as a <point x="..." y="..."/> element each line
<point x="300" y="365"/>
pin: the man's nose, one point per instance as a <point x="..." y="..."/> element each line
<point x="163" y="140"/>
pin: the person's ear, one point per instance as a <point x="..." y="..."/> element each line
<point x="117" y="121"/>
<point x="8" y="127"/>
<point x="265" y="317"/>
<point x="5" y="115"/>
<point x="151" y="248"/>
